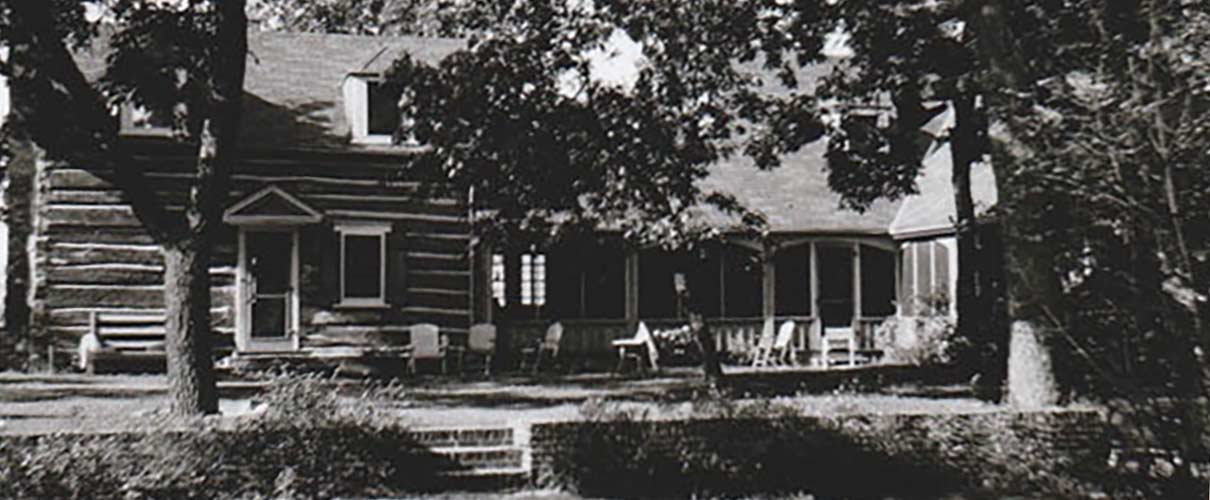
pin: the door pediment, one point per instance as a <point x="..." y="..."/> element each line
<point x="271" y="206"/>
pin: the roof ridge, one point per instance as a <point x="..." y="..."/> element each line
<point x="351" y="36"/>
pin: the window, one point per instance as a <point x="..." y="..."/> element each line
<point x="499" y="292"/>
<point x="138" y="119"/>
<point x="382" y="109"/>
<point x="565" y="282"/>
<point x="925" y="278"/>
<point x="363" y="250"/>
<point x="533" y="279"/>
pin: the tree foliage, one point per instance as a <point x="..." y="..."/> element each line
<point x="379" y="17"/>
<point x="522" y="118"/>
<point x="186" y="58"/>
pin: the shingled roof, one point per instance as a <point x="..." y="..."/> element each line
<point x="293" y="83"/>
<point x="293" y="101"/>
<point x="931" y="211"/>
<point x="795" y="197"/>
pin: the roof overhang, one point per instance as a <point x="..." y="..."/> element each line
<point x="288" y="210"/>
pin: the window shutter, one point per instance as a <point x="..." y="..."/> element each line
<point x="330" y="262"/>
<point x="396" y="272"/>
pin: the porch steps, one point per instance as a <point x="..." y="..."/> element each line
<point x="479" y="458"/>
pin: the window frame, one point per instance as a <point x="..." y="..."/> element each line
<point x="361" y="133"/>
<point x="126" y="118"/>
<point x="381" y="230"/>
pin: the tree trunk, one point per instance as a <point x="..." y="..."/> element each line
<point x="18" y="194"/>
<point x="188" y="342"/>
<point x="965" y="151"/>
<point x="187" y="260"/>
<point x="712" y="369"/>
<point x="1033" y="290"/>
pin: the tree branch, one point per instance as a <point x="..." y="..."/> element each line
<point x="57" y="108"/>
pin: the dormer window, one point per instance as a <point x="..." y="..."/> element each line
<point x="137" y="119"/>
<point x="383" y="109"/>
<point x="372" y="108"/>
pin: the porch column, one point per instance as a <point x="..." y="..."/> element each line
<point x="512" y="283"/>
<point x="631" y="276"/>
<point x="897" y="252"/>
<point x="856" y="281"/>
<point x="814" y="282"/>
<point x="769" y="281"/>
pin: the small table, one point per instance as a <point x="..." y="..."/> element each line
<point x="633" y="347"/>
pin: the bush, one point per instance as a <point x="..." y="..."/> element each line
<point x="919" y="340"/>
<point x="306" y="444"/>
<point x="736" y="448"/>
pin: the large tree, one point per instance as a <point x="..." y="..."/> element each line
<point x="1105" y="117"/>
<point x="198" y="80"/>
<point x="526" y="118"/>
<point x="906" y="63"/>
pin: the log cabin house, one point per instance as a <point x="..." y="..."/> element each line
<point x="328" y="247"/>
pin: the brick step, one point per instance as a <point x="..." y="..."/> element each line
<point x="492" y="479"/>
<point x="463" y="437"/>
<point x="482" y="457"/>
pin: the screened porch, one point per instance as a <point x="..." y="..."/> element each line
<point x="601" y="290"/>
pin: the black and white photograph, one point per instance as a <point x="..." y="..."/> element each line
<point x="599" y="249"/>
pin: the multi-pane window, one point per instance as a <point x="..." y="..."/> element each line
<point x="926" y="279"/>
<point x="533" y="279"/>
<point x="140" y="119"/>
<point x="499" y="292"/>
<point x="532" y="276"/>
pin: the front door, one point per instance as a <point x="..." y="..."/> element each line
<point x="268" y="285"/>
<point x="835" y="285"/>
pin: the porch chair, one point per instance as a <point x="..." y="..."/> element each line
<point x="783" y="348"/>
<point x="426" y="343"/>
<point x="764" y="346"/>
<point x="842" y="338"/>
<point x="641" y="348"/>
<point x="481" y="341"/>
<point x="549" y="343"/>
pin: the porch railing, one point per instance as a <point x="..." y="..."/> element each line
<point x="733" y="336"/>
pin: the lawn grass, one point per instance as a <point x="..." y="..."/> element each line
<point x="44" y="403"/>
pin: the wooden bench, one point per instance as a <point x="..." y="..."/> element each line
<point x="123" y="340"/>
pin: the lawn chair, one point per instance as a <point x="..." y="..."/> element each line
<point x="782" y="352"/>
<point x="426" y="343"/>
<point x="842" y="338"/>
<point x="641" y="348"/>
<point x="549" y="343"/>
<point x="481" y="341"/>
<point x="764" y="346"/>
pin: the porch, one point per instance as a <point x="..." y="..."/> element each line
<point x="735" y="339"/>
<point x="600" y="290"/>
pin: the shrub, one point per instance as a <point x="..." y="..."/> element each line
<point x="307" y="444"/>
<point x="919" y="340"/>
<point x="740" y="448"/>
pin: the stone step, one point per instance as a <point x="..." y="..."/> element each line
<point x="481" y="457"/>
<point x="469" y="436"/>
<point x="493" y="479"/>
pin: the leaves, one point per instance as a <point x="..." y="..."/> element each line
<point x="549" y="147"/>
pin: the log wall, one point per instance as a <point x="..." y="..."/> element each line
<point x="92" y="253"/>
